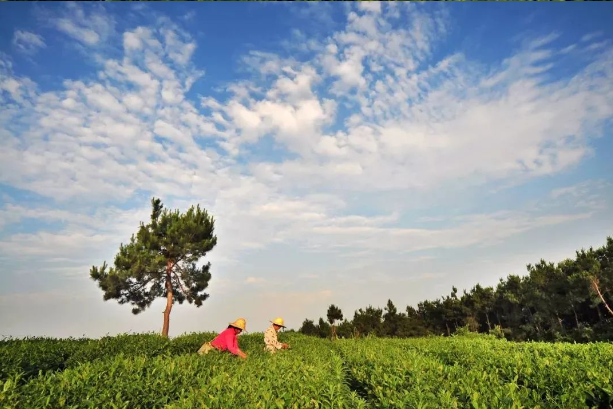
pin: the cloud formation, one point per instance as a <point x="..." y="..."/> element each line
<point x="371" y="110"/>
<point x="27" y="42"/>
<point x="415" y="123"/>
<point x="89" y="28"/>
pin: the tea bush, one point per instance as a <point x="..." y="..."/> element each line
<point x="308" y="376"/>
<point x="481" y="372"/>
<point x="148" y="371"/>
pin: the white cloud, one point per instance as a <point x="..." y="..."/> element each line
<point x="518" y="128"/>
<point x="85" y="35"/>
<point x="590" y="36"/>
<point x="568" y="49"/>
<point x="96" y="134"/>
<point x="363" y="113"/>
<point x="134" y="102"/>
<point x="189" y="16"/>
<point x="27" y="42"/>
<point x="370" y="6"/>
<point x="471" y="230"/>
<point x="178" y="45"/>
<point x="291" y="300"/>
<point x="418" y="124"/>
<point x="89" y="28"/>
<point x="598" y="46"/>
<point x="590" y="194"/>
<point x="14" y="92"/>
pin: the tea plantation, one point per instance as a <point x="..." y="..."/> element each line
<point x="148" y="371"/>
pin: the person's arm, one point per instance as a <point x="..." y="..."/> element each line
<point x="233" y="347"/>
<point x="279" y="345"/>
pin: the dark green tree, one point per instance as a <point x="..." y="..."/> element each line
<point x="508" y="307"/>
<point x="345" y="329"/>
<point x="160" y="261"/>
<point x="368" y="321"/>
<point x="323" y="328"/>
<point x="334" y="314"/>
<point x="482" y="299"/>
<point x="309" y="328"/>
<point x="432" y="314"/>
<point x="391" y="320"/>
<point x="600" y="273"/>
<point x="411" y="325"/>
<point x="568" y="301"/>
<point x="452" y="311"/>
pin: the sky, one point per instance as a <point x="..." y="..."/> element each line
<point x="350" y="153"/>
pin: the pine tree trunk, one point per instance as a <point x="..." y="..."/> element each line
<point x="534" y="321"/>
<point x="576" y="318"/>
<point x="333" y="332"/>
<point x="559" y="321"/>
<point x="448" y="332"/>
<point x="168" y="300"/>
<point x="595" y="285"/>
<point x="487" y="317"/>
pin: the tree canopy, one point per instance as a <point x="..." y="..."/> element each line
<point x="161" y="261"/>
<point x="334" y="314"/>
<point x="568" y="301"/>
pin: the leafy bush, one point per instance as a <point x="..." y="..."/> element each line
<point x="148" y="371"/>
<point x="31" y="355"/>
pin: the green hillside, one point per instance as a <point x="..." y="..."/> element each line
<point x="148" y="371"/>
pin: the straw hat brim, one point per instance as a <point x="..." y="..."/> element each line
<point x="282" y="326"/>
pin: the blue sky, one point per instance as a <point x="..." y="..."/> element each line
<point x="350" y="153"/>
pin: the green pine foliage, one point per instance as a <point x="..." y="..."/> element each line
<point x="569" y="301"/>
<point x="161" y="261"/>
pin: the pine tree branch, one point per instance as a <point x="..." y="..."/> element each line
<point x="180" y="284"/>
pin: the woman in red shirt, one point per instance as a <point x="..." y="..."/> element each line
<point x="226" y="340"/>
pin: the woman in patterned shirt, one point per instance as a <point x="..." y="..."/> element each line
<point x="271" y="342"/>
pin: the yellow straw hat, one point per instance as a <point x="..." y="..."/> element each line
<point x="239" y="323"/>
<point x="278" y="321"/>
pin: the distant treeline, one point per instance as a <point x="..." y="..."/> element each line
<point x="568" y="301"/>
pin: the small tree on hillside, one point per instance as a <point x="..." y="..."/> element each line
<point x="160" y="261"/>
<point x="323" y="328"/>
<point x="391" y="320"/>
<point x="334" y="314"/>
<point x="367" y="321"/>
<point x="309" y="328"/>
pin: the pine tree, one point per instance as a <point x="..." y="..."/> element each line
<point x="160" y="261"/>
<point x="334" y="314"/>
<point x="391" y="320"/>
<point x="309" y="328"/>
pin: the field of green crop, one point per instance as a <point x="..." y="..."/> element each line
<point x="147" y="371"/>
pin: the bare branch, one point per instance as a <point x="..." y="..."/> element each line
<point x="595" y="286"/>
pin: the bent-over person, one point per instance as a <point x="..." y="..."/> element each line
<point x="226" y="340"/>
<point x="271" y="342"/>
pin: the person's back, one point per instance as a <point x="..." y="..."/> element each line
<point x="226" y="340"/>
